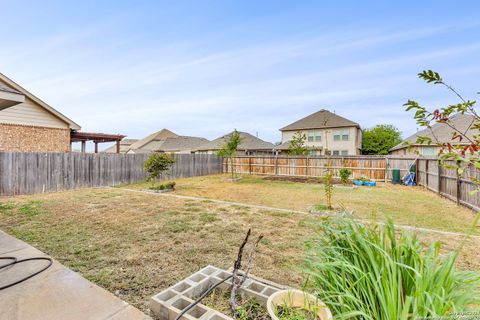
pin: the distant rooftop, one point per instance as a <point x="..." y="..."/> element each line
<point x="320" y="119"/>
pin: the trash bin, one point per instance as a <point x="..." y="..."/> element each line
<point x="396" y="176"/>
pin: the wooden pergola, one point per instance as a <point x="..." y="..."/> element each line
<point x="83" y="137"/>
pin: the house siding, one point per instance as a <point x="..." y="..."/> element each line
<point x="352" y="145"/>
<point x="30" y="113"/>
<point x="26" y="138"/>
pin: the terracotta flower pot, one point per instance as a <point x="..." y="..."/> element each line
<point x="297" y="299"/>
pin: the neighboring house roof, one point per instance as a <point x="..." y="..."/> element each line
<point x="181" y="143"/>
<point x="159" y="135"/>
<point x="320" y="119"/>
<point x="249" y="142"/>
<point x="13" y="87"/>
<point x="283" y="146"/>
<point x="173" y="144"/>
<point x="442" y="132"/>
<point x="124" y="146"/>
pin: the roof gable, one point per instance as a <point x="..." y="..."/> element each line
<point x="159" y="135"/>
<point x="13" y="87"/>
<point x="320" y="119"/>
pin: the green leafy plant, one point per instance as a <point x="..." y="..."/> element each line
<point x="229" y="150"/>
<point x="297" y="145"/>
<point x="164" y="186"/>
<point x="344" y="175"/>
<point x="156" y="164"/>
<point x="287" y="310"/>
<point x="375" y="272"/>
<point x="380" y="139"/>
<point x="462" y="149"/>
<point x="328" y="188"/>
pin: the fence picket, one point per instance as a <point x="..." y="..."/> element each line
<point x="27" y="173"/>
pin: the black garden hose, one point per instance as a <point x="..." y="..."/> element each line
<point x="15" y="261"/>
<point x="197" y="301"/>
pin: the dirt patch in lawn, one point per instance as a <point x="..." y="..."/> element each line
<point x="137" y="244"/>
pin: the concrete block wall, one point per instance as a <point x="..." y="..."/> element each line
<point x="169" y="303"/>
<point x="25" y="138"/>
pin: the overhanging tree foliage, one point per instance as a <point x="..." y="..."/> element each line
<point x="380" y="139"/>
<point x="297" y="145"/>
<point x="462" y="154"/>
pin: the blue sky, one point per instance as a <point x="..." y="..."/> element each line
<point x="205" y="67"/>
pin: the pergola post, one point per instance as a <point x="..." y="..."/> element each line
<point x="83" y="137"/>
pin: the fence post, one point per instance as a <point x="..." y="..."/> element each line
<point x="416" y="172"/>
<point x="276" y="165"/>
<point x="426" y="172"/>
<point x="250" y="165"/>
<point x="387" y="164"/>
<point x="459" y="181"/>
<point x="306" y="167"/>
<point x="439" y="177"/>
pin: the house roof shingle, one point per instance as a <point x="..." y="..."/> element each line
<point x="320" y="119"/>
<point x="442" y="132"/>
<point x="124" y="146"/>
<point x="249" y="142"/>
<point x="159" y="135"/>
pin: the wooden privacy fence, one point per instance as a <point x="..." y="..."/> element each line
<point x="448" y="183"/>
<point x="27" y="173"/>
<point x="429" y="172"/>
<point x="373" y="167"/>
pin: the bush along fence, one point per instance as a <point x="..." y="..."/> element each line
<point x="28" y="173"/>
<point x="429" y="173"/>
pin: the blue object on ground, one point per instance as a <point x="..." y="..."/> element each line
<point x="410" y="179"/>
<point x="370" y="183"/>
<point x="358" y="182"/>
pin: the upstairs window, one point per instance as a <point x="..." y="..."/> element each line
<point x="318" y="136"/>
<point x="341" y="135"/>
<point x="311" y="136"/>
<point x="428" y="151"/>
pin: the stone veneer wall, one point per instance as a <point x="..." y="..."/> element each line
<point x="22" y="138"/>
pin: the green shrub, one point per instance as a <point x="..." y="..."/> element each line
<point x="344" y="175"/>
<point x="156" y="164"/>
<point x="164" y="186"/>
<point x="366" y="272"/>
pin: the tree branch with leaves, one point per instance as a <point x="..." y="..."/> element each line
<point x="230" y="149"/>
<point x="463" y="149"/>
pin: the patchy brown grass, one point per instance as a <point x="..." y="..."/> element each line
<point x="412" y="206"/>
<point x="136" y="244"/>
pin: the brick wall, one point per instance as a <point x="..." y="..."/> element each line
<point x="33" y="139"/>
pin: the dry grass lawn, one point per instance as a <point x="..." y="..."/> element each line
<point x="136" y="244"/>
<point x="412" y="206"/>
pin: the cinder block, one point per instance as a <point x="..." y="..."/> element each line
<point x="169" y="303"/>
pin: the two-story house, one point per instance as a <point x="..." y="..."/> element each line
<point x="326" y="133"/>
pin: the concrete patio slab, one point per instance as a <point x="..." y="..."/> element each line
<point x="56" y="293"/>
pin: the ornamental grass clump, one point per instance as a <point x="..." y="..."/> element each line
<point x="373" y="272"/>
